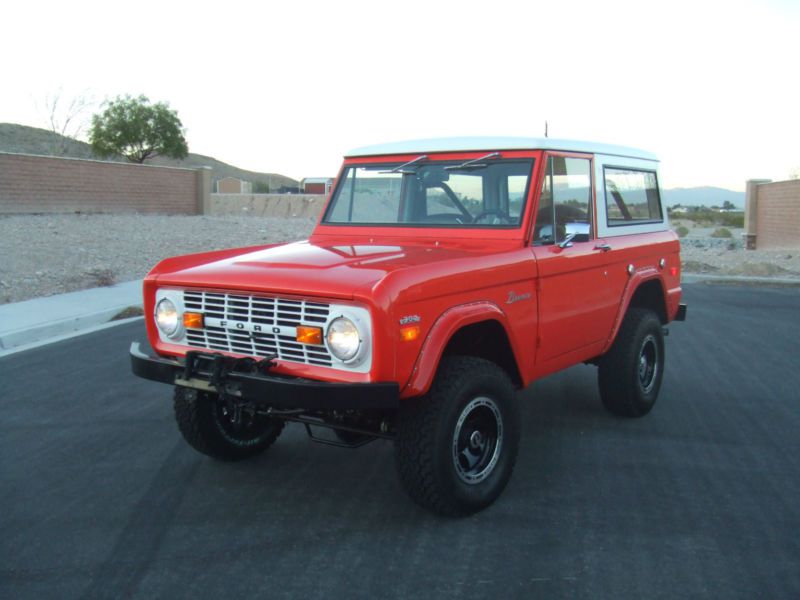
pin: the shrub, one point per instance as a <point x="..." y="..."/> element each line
<point x="732" y="219"/>
<point x="722" y="232"/>
<point x="682" y="231"/>
<point x="705" y="217"/>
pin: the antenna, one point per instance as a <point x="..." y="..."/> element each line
<point x="545" y="129"/>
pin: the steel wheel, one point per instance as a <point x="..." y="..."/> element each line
<point x="239" y="424"/>
<point x="222" y="429"/>
<point x="477" y="440"/>
<point x="648" y="364"/>
<point x="457" y="445"/>
<point x="630" y="374"/>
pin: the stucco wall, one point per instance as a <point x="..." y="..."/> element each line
<point x="268" y="205"/>
<point x="43" y="184"/>
<point x="778" y="215"/>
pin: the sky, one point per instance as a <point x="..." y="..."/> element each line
<point x="713" y="88"/>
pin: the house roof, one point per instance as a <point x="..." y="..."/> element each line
<point x="460" y="144"/>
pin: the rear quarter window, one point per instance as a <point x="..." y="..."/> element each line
<point x="632" y="197"/>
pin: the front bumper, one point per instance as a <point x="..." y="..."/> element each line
<point x="212" y="372"/>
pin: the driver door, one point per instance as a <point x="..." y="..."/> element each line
<point x="575" y="299"/>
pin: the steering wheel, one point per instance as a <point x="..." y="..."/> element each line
<point x="500" y="217"/>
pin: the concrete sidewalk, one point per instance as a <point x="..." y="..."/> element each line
<point x="32" y="322"/>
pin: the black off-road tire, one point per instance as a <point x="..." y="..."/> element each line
<point x="467" y="396"/>
<point x="630" y="374"/>
<point x="202" y="422"/>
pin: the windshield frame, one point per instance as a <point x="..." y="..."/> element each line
<point x="405" y="229"/>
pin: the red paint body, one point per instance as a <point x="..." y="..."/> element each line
<point x="568" y="302"/>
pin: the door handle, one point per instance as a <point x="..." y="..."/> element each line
<point x="603" y="247"/>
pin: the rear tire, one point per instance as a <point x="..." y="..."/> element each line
<point x="457" y="445"/>
<point x="210" y="427"/>
<point x="630" y="374"/>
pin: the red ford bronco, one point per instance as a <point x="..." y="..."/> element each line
<point x="443" y="276"/>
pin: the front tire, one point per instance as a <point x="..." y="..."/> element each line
<point x="216" y="429"/>
<point x="457" y="445"/>
<point x="630" y="374"/>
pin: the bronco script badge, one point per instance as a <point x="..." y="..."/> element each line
<point x="514" y="297"/>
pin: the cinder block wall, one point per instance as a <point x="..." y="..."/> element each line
<point x="43" y="184"/>
<point x="268" y="205"/>
<point x="778" y="209"/>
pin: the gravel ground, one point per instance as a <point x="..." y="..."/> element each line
<point x="702" y="253"/>
<point x="52" y="254"/>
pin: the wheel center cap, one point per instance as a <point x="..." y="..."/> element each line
<point x="476" y="439"/>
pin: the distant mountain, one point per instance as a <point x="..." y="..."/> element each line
<point x="22" y="139"/>
<point x="702" y="196"/>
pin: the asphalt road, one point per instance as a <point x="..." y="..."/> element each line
<point x="100" y="497"/>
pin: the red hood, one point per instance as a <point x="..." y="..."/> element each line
<point x="326" y="269"/>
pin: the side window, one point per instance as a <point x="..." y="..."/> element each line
<point x="631" y="197"/>
<point x="565" y="204"/>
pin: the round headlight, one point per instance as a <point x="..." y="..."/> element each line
<point x="167" y="317"/>
<point x="343" y="338"/>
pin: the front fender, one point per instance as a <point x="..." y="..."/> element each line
<point x="440" y="334"/>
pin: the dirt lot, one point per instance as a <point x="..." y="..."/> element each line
<point x="52" y="254"/>
<point x="702" y="252"/>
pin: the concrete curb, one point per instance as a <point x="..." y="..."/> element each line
<point x="739" y="279"/>
<point x="66" y="336"/>
<point x="23" y="324"/>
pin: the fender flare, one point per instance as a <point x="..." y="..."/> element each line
<point x="443" y="329"/>
<point x="638" y="279"/>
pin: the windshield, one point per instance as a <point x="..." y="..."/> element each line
<point x="440" y="194"/>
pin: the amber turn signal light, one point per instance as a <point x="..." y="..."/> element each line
<point x="309" y="335"/>
<point x="409" y="333"/>
<point x="193" y="320"/>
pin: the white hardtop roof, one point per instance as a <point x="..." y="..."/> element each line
<point x="461" y="144"/>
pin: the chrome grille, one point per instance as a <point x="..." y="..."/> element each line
<point x="257" y="311"/>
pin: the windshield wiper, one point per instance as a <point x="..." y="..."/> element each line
<point x="400" y="168"/>
<point x="475" y="163"/>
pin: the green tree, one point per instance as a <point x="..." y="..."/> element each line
<point x="138" y="130"/>
<point x="260" y="187"/>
